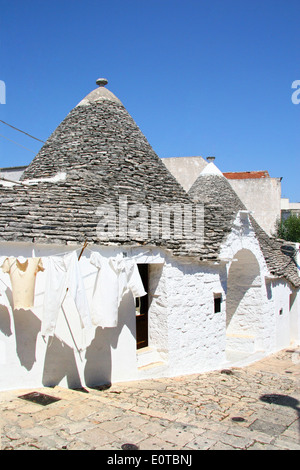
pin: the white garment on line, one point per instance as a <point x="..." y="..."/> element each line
<point x="63" y="278"/>
<point x="115" y="277"/>
<point x="22" y="272"/>
<point x="3" y="297"/>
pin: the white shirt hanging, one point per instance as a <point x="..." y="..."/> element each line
<point x="115" y="277"/>
<point x="63" y="278"/>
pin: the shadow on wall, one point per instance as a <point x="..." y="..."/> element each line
<point x="243" y="275"/>
<point x="54" y="370"/>
<point x="98" y="367"/>
<point x="60" y="361"/>
<point x="26" y="328"/>
<point x="5" y="323"/>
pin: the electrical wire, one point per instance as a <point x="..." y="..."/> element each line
<point x="19" y="130"/>
<point x="17" y="143"/>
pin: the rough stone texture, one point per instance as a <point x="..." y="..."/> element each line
<point x="105" y="156"/>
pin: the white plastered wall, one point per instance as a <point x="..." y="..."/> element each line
<point x="182" y="326"/>
<point x="72" y="358"/>
<point x="196" y="341"/>
<point x="268" y="299"/>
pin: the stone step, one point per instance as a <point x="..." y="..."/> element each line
<point x="146" y="356"/>
<point x="240" y="343"/>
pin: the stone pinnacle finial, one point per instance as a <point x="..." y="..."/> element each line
<point x="101" y="82"/>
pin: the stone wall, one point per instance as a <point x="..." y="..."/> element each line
<point x="196" y="333"/>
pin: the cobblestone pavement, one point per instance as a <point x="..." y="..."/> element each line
<point x="256" y="408"/>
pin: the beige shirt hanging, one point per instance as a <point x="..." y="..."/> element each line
<point x="23" y="276"/>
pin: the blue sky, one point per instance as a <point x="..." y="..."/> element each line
<point x="200" y="77"/>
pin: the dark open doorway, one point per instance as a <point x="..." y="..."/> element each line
<point x="142" y="310"/>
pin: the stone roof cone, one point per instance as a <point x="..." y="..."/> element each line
<point x="96" y="155"/>
<point x="99" y="136"/>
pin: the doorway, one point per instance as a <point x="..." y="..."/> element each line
<point x="141" y="309"/>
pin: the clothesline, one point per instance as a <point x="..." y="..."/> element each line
<point x="116" y="276"/>
<point x="86" y="247"/>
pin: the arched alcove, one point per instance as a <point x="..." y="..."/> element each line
<point x="244" y="303"/>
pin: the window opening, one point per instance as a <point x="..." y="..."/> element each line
<point x="217" y="303"/>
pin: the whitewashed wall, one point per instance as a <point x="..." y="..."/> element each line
<point x="184" y="330"/>
<point x="267" y="301"/>
<point x="70" y="358"/>
<point x="196" y="335"/>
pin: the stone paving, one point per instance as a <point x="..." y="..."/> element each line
<point x="251" y="408"/>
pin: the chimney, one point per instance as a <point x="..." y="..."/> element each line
<point x="210" y="159"/>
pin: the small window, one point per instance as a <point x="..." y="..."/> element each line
<point x="281" y="311"/>
<point x="217" y="302"/>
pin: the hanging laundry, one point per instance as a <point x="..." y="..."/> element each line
<point x="115" y="277"/>
<point x="129" y="278"/>
<point x="3" y="297"/>
<point x="22" y="274"/>
<point x="63" y="278"/>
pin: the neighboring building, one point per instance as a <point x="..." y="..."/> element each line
<point x="228" y="296"/>
<point x="289" y="208"/>
<point x="261" y="194"/>
<point x="185" y="169"/>
<point x="12" y="173"/>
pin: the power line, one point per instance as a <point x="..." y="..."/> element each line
<point x="19" y="130"/>
<point x="16" y="143"/>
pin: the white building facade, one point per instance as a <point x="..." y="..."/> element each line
<point x="228" y="303"/>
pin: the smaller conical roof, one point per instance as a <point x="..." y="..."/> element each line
<point x="222" y="205"/>
<point x="211" y="169"/>
<point x="212" y="187"/>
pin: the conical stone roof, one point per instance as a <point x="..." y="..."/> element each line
<point x="103" y="156"/>
<point x="100" y="136"/>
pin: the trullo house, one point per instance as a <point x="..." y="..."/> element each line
<point x="110" y="271"/>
